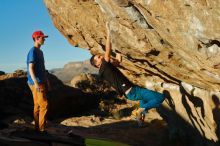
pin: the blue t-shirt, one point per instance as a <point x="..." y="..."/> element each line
<point x="36" y="57"/>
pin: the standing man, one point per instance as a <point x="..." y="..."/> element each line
<point x="37" y="80"/>
<point x="148" y="99"/>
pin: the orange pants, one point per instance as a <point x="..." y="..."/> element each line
<point x="40" y="106"/>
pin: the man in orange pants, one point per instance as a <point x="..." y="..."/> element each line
<point x="37" y="80"/>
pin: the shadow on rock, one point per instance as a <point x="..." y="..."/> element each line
<point x="182" y="133"/>
<point x="216" y="114"/>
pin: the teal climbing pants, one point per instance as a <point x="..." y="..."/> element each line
<point x="148" y="98"/>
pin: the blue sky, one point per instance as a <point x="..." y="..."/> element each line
<point x="19" y="19"/>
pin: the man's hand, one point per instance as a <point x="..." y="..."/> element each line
<point x="48" y="85"/>
<point x="115" y="63"/>
<point x="37" y="87"/>
<point x="118" y="57"/>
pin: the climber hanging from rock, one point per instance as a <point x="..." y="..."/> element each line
<point x="109" y="72"/>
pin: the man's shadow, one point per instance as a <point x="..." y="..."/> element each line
<point x="170" y="115"/>
<point x="181" y="132"/>
<point x="216" y="115"/>
<point x="197" y="102"/>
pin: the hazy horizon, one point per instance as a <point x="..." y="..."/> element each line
<point x="55" y="65"/>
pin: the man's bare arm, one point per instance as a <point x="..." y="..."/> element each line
<point x="108" y="45"/>
<point x="31" y="70"/>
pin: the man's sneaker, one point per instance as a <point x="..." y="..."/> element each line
<point x="138" y="116"/>
<point x="140" y="119"/>
<point x="42" y="131"/>
<point x="70" y="133"/>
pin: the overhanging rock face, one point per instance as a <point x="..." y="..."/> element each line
<point x="166" y="45"/>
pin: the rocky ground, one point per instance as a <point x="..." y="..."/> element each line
<point x="125" y="130"/>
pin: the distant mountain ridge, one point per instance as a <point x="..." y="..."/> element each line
<point x="72" y="69"/>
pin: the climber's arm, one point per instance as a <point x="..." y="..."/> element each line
<point x="108" y="45"/>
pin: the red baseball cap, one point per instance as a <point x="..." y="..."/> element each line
<point x="38" y="34"/>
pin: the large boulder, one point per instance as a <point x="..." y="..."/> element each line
<point x="90" y="83"/>
<point x="2" y="73"/>
<point x="167" y="46"/>
<point x="17" y="101"/>
<point x="15" y="96"/>
<point x="170" y="41"/>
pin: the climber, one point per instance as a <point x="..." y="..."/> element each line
<point x="148" y="99"/>
<point x="37" y="80"/>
